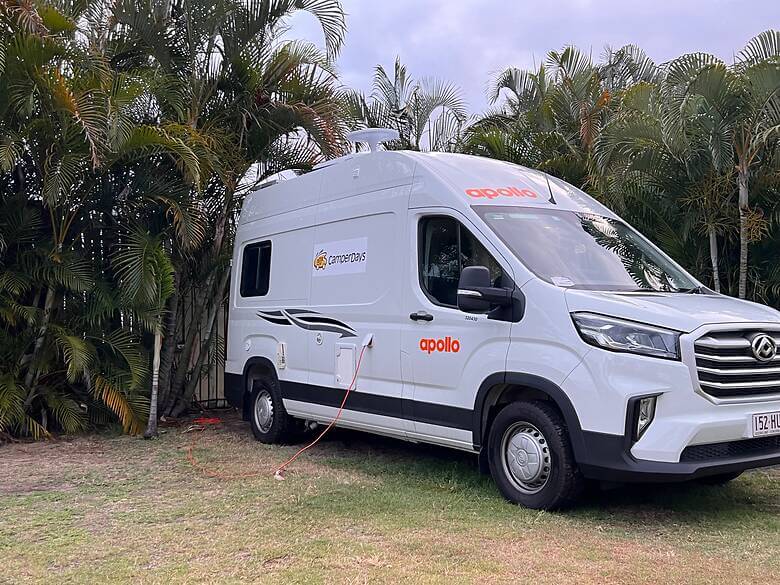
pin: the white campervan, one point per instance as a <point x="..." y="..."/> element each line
<point x="503" y="312"/>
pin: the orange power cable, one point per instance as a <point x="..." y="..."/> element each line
<point x="279" y="473"/>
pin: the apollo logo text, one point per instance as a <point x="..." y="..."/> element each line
<point x="501" y="192"/>
<point x="445" y="345"/>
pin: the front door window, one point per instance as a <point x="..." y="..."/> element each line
<point x="446" y="247"/>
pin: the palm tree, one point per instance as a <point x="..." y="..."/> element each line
<point x="658" y="143"/>
<point x="73" y="129"/>
<point x="738" y="109"/>
<point x="427" y="113"/>
<point x="551" y="118"/>
<point x="251" y="100"/>
<point x="649" y="145"/>
<point x="145" y="277"/>
<point x="521" y="129"/>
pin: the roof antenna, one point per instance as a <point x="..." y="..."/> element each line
<point x="552" y="197"/>
<point x="373" y="136"/>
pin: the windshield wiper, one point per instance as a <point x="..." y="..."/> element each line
<point x="696" y="290"/>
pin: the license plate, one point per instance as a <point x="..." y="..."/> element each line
<point x="766" y="424"/>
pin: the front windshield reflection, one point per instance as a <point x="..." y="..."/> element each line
<point x="584" y="251"/>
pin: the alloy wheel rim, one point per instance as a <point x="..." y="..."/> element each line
<point x="264" y="411"/>
<point x="526" y="457"/>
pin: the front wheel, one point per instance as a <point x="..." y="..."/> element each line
<point x="530" y="457"/>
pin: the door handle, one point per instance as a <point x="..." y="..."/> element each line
<point x="421" y="316"/>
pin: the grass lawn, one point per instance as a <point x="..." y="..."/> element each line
<point x="355" y="509"/>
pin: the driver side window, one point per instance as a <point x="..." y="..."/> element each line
<point x="445" y="248"/>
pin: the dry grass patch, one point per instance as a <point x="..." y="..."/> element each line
<point x="355" y="509"/>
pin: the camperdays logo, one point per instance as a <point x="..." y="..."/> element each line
<point x="350" y="258"/>
<point x="501" y="192"/>
<point x="341" y="257"/>
<point x="321" y="260"/>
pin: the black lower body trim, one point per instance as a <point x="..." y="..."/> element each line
<point x="606" y="459"/>
<point x="403" y="408"/>
<point x="731" y="449"/>
<point x="234" y="390"/>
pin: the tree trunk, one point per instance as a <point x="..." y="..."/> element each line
<point x="31" y="379"/>
<point x="185" y="398"/>
<point x="191" y="331"/>
<point x="27" y="356"/>
<point x="151" y="427"/>
<point x="714" y="257"/>
<point x="190" y="334"/>
<point x="169" y="342"/>
<point x="742" y="181"/>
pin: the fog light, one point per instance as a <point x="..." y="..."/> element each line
<point x="645" y="414"/>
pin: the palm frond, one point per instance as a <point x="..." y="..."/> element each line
<point x="78" y="354"/>
<point x="761" y="48"/>
<point x="66" y="411"/>
<point x="130" y="412"/>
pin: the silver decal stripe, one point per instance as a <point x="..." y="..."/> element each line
<point x="309" y="320"/>
<point x="275" y="317"/>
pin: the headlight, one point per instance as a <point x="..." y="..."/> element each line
<point x="627" y="336"/>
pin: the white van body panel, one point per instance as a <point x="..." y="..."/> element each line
<point x="438" y="375"/>
<point x="289" y="227"/>
<point x="345" y="263"/>
<point x="450" y="179"/>
<point x="544" y="342"/>
<point x="482" y="343"/>
<point x="369" y="300"/>
<point x="683" y="313"/>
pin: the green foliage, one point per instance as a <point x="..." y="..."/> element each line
<point x="125" y="131"/>
<point x="130" y="132"/>
<point x="661" y="145"/>
<point x="428" y="113"/>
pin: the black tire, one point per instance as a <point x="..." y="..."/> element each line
<point x="539" y="427"/>
<point x="720" y="479"/>
<point x="278" y="426"/>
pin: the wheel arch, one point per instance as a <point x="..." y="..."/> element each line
<point x="505" y="387"/>
<point x="254" y="368"/>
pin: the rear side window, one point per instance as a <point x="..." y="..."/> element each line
<point x="446" y="247"/>
<point x="256" y="269"/>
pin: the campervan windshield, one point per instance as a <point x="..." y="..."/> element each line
<point x="584" y="251"/>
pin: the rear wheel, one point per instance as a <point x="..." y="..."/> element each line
<point x="530" y="457"/>
<point x="267" y="415"/>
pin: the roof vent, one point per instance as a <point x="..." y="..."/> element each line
<point x="373" y="136"/>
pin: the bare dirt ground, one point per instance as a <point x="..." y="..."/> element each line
<point x="355" y="509"/>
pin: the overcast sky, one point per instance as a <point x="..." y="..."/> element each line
<point x="465" y="41"/>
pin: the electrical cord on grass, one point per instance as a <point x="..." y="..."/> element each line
<point x="279" y="473"/>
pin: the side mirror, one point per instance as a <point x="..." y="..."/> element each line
<point x="476" y="293"/>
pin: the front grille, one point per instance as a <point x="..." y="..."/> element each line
<point x="727" y="367"/>
<point x="732" y="449"/>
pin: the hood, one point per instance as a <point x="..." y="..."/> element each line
<point x="683" y="312"/>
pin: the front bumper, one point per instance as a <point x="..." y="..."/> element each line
<point x="608" y="458"/>
<point x="691" y="435"/>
